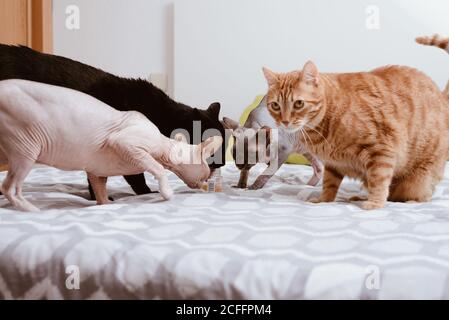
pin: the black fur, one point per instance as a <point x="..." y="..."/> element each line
<point x="120" y="93"/>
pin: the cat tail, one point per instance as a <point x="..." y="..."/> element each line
<point x="436" y="41"/>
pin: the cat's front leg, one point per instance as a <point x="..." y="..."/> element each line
<point x="260" y="182"/>
<point x="142" y="161"/>
<point x="331" y="183"/>
<point x="243" y="180"/>
<point x="317" y="169"/>
<point x="157" y="170"/>
<point x="273" y="167"/>
<point x="378" y="179"/>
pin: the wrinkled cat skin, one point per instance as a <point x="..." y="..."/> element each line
<point x="70" y="130"/>
<point x="287" y="142"/>
<point x="387" y="127"/>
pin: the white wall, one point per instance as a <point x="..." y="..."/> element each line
<point x="127" y="37"/>
<point x="214" y="49"/>
<point x="221" y="45"/>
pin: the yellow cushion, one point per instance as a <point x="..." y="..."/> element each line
<point x="293" y="159"/>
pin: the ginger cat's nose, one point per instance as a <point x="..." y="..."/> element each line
<point x="285" y="123"/>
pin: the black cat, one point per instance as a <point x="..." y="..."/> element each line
<point x="120" y="93"/>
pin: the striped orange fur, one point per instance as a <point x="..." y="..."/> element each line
<point x="388" y="127"/>
<point x="436" y="40"/>
<point x="446" y="91"/>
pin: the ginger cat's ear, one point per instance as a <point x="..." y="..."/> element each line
<point x="310" y="74"/>
<point x="272" y="78"/>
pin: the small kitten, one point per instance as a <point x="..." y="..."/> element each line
<point x="288" y="143"/>
<point x="388" y="127"/>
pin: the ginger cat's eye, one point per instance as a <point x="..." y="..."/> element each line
<point x="298" y="105"/>
<point x="275" y="106"/>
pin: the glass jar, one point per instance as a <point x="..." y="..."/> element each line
<point x="214" y="183"/>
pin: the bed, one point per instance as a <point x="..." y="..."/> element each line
<point x="266" y="244"/>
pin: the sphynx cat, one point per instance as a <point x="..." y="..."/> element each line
<point x="70" y="130"/>
<point x="287" y="143"/>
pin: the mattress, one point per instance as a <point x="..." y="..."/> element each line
<point x="266" y="244"/>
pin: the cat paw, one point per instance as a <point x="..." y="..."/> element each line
<point x="27" y="207"/>
<point x="102" y="203"/>
<point x="166" y="193"/>
<point x="372" y="205"/>
<point x="256" y="186"/>
<point x="357" y="198"/>
<point x="315" y="200"/>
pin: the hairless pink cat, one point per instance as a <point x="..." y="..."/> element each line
<point x="70" y="130"/>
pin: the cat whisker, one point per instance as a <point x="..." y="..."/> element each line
<point x="310" y="139"/>
<point x="304" y="137"/>
<point x="324" y="138"/>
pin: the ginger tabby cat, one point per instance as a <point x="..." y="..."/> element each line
<point x="388" y="128"/>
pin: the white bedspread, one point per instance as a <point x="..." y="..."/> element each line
<point x="266" y="244"/>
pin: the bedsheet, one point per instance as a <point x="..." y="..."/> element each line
<point x="265" y="244"/>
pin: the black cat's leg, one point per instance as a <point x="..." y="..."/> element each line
<point x="91" y="191"/>
<point x="138" y="184"/>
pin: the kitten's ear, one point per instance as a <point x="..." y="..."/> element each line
<point x="210" y="146"/>
<point x="272" y="78"/>
<point x="180" y="137"/>
<point x="310" y="74"/>
<point x="230" y="124"/>
<point x="214" y="110"/>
